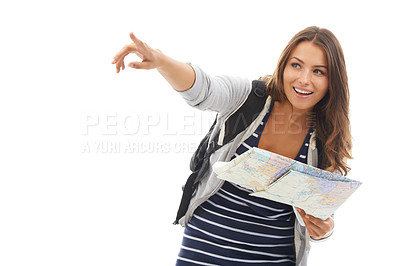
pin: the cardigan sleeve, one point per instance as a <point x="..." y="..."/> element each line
<point x="220" y="93"/>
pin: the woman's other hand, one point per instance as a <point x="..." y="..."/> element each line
<point x="151" y="58"/>
<point x="317" y="228"/>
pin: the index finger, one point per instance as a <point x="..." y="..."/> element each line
<point x="133" y="37"/>
<point x="138" y="42"/>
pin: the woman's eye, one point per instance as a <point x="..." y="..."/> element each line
<point x="295" y="65"/>
<point x="319" y="72"/>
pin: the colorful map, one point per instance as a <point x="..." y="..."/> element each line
<point x="282" y="179"/>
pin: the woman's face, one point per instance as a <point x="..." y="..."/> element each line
<point x="305" y="77"/>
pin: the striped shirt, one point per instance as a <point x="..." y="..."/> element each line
<point x="234" y="228"/>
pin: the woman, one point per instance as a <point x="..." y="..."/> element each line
<point x="305" y="118"/>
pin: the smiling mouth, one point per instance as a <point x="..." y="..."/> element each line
<point x="302" y="92"/>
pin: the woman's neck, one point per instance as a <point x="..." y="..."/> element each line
<point x="285" y="114"/>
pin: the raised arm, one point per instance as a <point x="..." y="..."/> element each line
<point x="181" y="76"/>
<point x="200" y="90"/>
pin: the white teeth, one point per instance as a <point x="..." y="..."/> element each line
<point x="302" y="92"/>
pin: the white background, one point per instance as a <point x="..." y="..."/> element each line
<point x="62" y="204"/>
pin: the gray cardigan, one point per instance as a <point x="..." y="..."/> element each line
<point x="224" y="94"/>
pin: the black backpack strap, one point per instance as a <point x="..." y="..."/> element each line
<point x="320" y="150"/>
<point x="247" y="113"/>
<point x="236" y="123"/>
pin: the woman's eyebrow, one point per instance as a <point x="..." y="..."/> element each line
<point x="301" y="61"/>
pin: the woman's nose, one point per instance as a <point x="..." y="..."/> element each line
<point x="305" y="77"/>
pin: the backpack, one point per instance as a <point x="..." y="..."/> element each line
<point x="236" y="123"/>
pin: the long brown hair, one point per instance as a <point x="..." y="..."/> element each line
<point x="331" y="114"/>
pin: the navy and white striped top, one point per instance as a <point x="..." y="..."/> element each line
<point x="233" y="228"/>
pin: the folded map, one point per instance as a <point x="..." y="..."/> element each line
<point x="275" y="177"/>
